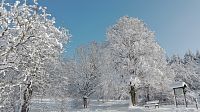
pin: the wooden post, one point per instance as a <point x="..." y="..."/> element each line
<point x="196" y="102"/>
<point x="175" y="101"/>
<point x="184" y="92"/>
<point x="197" y="106"/>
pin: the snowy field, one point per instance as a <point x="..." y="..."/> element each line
<point x="109" y="106"/>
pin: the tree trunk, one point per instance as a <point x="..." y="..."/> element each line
<point x="148" y="98"/>
<point x="27" y="94"/>
<point x="85" y="102"/>
<point x="133" y="95"/>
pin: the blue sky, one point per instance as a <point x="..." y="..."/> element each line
<point x="176" y="22"/>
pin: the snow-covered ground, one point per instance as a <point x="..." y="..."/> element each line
<point x="109" y="106"/>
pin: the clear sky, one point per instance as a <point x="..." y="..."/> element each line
<point x="175" y="22"/>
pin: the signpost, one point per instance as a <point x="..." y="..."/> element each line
<point x="176" y="86"/>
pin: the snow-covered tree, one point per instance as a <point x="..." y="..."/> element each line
<point x="137" y="54"/>
<point x="110" y="83"/>
<point x="186" y="69"/>
<point x="29" y="41"/>
<point x="198" y="56"/>
<point x="84" y="77"/>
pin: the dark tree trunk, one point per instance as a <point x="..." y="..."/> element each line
<point x="85" y="102"/>
<point x="27" y="94"/>
<point x="133" y="95"/>
<point x="148" y="97"/>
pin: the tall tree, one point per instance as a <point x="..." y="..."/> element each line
<point x="136" y="52"/>
<point x="29" y="41"/>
